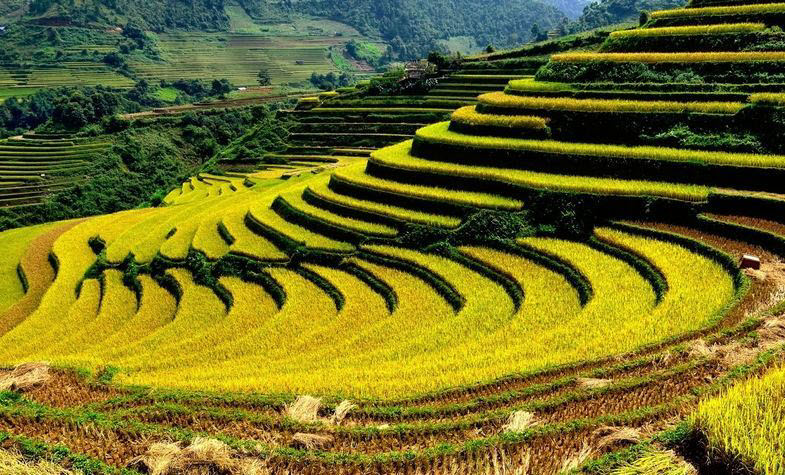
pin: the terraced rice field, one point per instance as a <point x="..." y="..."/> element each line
<point x="361" y="308"/>
<point x="32" y="168"/>
<point x="238" y="57"/>
<point x="20" y="81"/>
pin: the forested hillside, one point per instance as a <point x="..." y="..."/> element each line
<point x="609" y="12"/>
<point x="411" y="26"/>
<point x="158" y="15"/>
<point x="572" y="8"/>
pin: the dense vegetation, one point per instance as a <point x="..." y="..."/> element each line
<point x="510" y="269"/>
<point x="608" y="12"/>
<point x="71" y="108"/>
<point x="412" y="27"/>
<point x="148" y="157"/>
<point x="156" y="16"/>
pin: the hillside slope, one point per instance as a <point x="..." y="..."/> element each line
<point x="157" y="16"/>
<point x="412" y="26"/>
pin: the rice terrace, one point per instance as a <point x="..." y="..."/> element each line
<point x="413" y="237"/>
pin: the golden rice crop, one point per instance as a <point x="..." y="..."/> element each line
<point x="295" y="200"/>
<point x="720" y="29"/>
<point x="128" y="241"/>
<point x="199" y="309"/>
<point x="403" y="214"/>
<point x="317" y="337"/>
<point x="308" y="346"/>
<point x="145" y="239"/>
<point x="75" y="257"/>
<point x="316" y="368"/>
<point x="173" y="195"/>
<point x="468" y="115"/>
<point x="204" y="216"/>
<point x="773" y="98"/>
<point x="246" y="242"/>
<point x="156" y="309"/>
<point x="252" y="307"/>
<point x="358" y="177"/>
<point x="118" y="306"/>
<point x="292" y="352"/>
<point x="207" y="238"/>
<point x="81" y="312"/>
<point x="700" y="57"/>
<point x="266" y="334"/>
<point x="656" y="462"/>
<point x="14" y="244"/>
<point x="38" y="273"/>
<point x="193" y="190"/>
<point x="532" y="85"/>
<point x="262" y="213"/>
<point x="502" y="100"/>
<point x="11" y="463"/>
<point x="440" y="133"/>
<point x="721" y="10"/>
<point x="702" y="276"/>
<point x="747" y="422"/>
<point x="399" y="156"/>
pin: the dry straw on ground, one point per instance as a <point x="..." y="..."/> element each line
<point x="202" y="457"/>
<point x="25" y="377"/>
<point x="304" y="409"/>
<point x="302" y="440"/>
<point x="520" y="421"/>
<point x="594" y="383"/>
<point x="341" y="411"/>
<point x="574" y="461"/>
<point x="615" y="436"/>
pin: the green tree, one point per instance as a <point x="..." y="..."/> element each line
<point x="264" y="77"/>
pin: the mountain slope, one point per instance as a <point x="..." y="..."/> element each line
<point x="608" y="12"/>
<point x="157" y="16"/>
<point x="412" y="26"/>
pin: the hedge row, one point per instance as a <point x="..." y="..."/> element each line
<point x="636" y="95"/>
<point x="663" y="72"/>
<point x="312" y="223"/>
<point x="772" y="18"/>
<point x="543" y="48"/>
<point x="441" y="286"/>
<point x="603" y="205"/>
<point x="621" y="127"/>
<point x="345" y="187"/>
<point x="523" y="65"/>
<point x="742" y="171"/>
<point x="646" y="269"/>
<point x="765" y="42"/>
